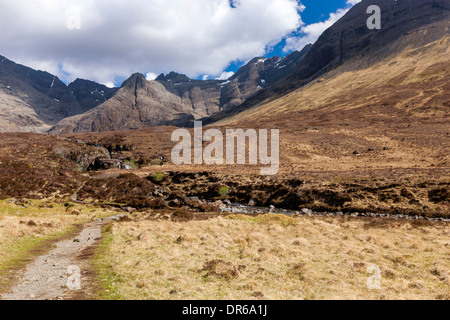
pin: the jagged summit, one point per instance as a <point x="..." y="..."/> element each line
<point x="177" y="100"/>
<point x="173" y="76"/>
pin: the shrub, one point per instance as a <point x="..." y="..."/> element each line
<point x="182" y="216"/>
<point x="224" y="191"/>
<point x="158" y="177"/>
<point x="132" y="164"/>
<point x="156" y="162"/>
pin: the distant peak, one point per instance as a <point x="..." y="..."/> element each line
<point x="172" y="76"/>
<point x="137" y="75"/>
<point x="135" y="79"/>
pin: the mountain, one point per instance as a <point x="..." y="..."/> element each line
<point x="350" y="45"/>
<point x="90" y="94"/>
<point x="34" y="101"/>
<point x="137" y="104"/>
<point x="175" y="99"/>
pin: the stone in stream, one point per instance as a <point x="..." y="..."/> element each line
<point x="272" y="209"/>
<point x="252" y="203"/>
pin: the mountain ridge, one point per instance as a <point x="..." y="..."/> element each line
<point x="174" y="99"/>
<point x="34" y="100"/>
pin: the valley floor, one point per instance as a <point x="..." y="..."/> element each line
<point x="156" y="254"/>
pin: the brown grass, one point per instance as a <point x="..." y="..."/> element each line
<point x="276" y="257"/>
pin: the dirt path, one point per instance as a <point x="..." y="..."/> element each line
<point x="47" y="277"/>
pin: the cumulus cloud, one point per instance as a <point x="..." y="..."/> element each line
<point x="225" y="75"/>
<point x="310" y="33"/>
<point x="151" y="76"/>
<point x="105" y="40"/>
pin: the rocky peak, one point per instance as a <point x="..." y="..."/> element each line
<point x="174" y="77"/>
<point x="90" y="94"/>
<point x="136" y="80"/>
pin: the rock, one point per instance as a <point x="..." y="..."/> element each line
<point x="272" y="209"/>
<point x="252" y="203"/>
<point x="340" y="213"/>
<point x="308" y="212"/>
<point x="227" y="202"/>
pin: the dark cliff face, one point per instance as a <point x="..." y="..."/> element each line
<point x="211" y="96"/>
<point x="44" y="93"/>
<point x="350" y="37"/>
<point x="90" y="94"/>
<point x="35" y="100"/>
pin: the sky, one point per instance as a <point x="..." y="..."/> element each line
<point x="108" y="40"/>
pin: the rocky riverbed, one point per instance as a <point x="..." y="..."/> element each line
<point x="227" y="206"/>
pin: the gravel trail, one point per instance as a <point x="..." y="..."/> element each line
<point x="51" y="275"/>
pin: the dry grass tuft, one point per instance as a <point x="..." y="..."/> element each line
<point x="221" y="269"/>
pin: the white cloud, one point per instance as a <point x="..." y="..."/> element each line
<point x="225" y="75"/>
<point x="109" y="84"/>
<point x="151" y="76"/>
<point x="310" y="33"/>
<point x="120" y="37"/>
<point x="353" y="2"/>
<point x="205" y="77"/>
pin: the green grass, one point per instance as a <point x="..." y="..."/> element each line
<point x="105" y="273"/>
<point x="132" y="164"/>
<point x="158" y="177"/>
